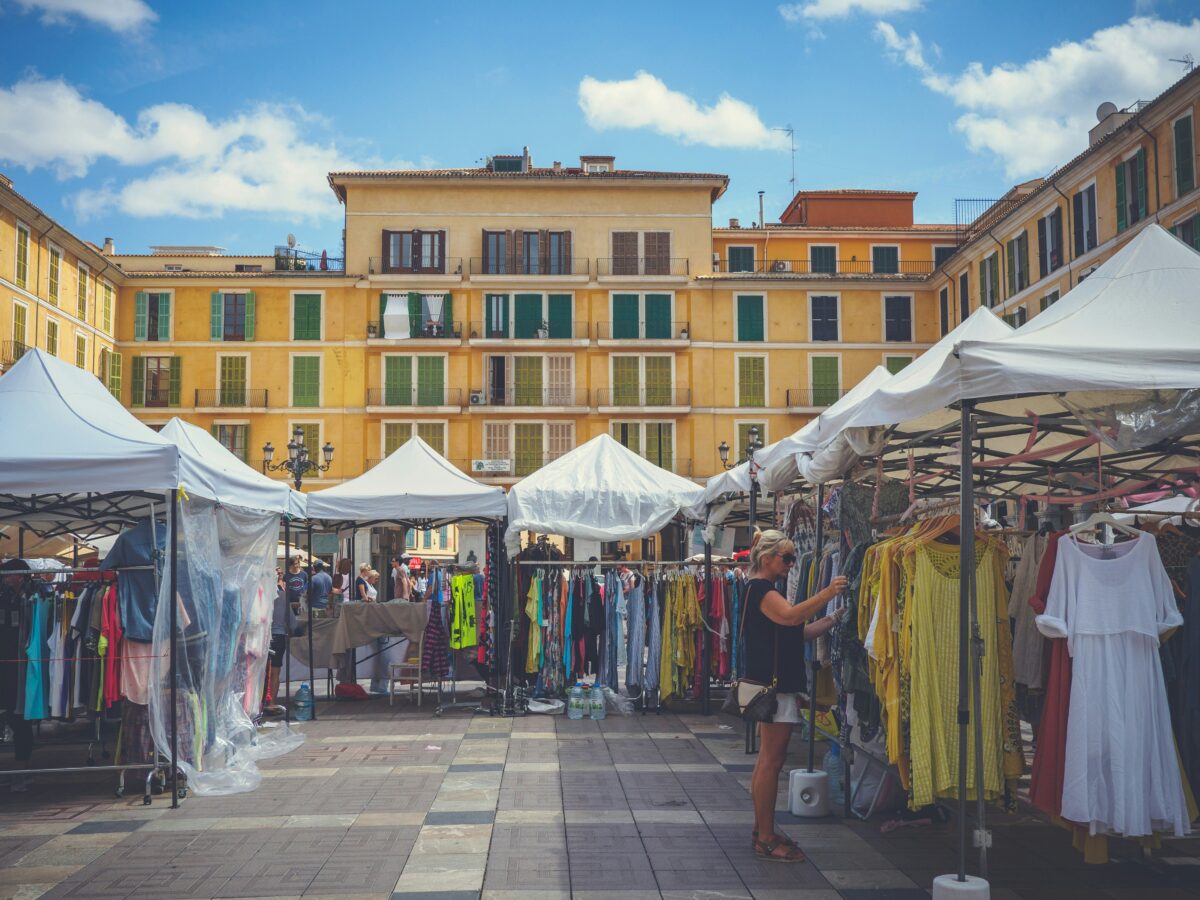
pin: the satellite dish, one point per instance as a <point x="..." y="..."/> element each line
<point x="1104" y="110"/>
<point x="292" y="237"/>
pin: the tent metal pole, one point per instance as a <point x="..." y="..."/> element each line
<point x="287" y="632"/>
<point x="812" y="687"/>
<point x="312" y="663"/>
<point x="352" y="653"/>
<point x="982" y="838"/>
<point x="174" y="606"/>
<point x="708" y="605"/>
<point x="966" y="529"/>
<point x="20" y="543"/>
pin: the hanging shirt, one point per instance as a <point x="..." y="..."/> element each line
<point x="136" y="593"/>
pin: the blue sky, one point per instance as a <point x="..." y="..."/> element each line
<point x="214" y="123"/>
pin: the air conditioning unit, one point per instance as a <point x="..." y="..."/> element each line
<point x="781" y="265"/>
<point x="477" y="398"/>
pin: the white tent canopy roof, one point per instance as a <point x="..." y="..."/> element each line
<point x="414" y="483"/>
<point x="211" y="471"/>
<point x="599" y="491"/>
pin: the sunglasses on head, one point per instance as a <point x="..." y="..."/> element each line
<point x="789" y="558"/>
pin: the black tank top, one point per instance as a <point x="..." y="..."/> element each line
<point x="759" y="643"/>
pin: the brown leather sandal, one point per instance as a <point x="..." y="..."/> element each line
<point x="780" y="837"/>
<point x="766" y="850"/>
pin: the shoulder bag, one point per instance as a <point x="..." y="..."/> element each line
<point x="753" y="700"/>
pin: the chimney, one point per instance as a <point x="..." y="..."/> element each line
<point x="5" y="180"/>
<point x="557" y="166"/>
<point x="734" y="223"/>
<point x="109" y="248"/>
<point x="762" y="221"/>
<point x="526" y="162"/>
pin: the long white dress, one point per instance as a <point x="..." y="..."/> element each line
<point x="1112" y="604"/>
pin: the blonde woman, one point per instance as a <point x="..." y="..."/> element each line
<point x="770" y="619"/>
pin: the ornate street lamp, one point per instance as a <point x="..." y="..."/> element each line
<point x="298" y="462"/>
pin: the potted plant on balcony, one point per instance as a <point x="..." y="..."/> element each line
<point x="372" y="330"/>
<point x="543" y="330"/>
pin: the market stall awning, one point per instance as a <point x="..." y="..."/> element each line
<point x="599" y="491"/>
<point x="210" y="470"/>
<point x="414" y="484"/>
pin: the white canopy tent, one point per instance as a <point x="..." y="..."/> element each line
<point x="414" y="484"/>
<point x="210" y="470"/>
<point x="599" y="491"/>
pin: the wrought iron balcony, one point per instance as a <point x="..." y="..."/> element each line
<point x="444" y="331"/>
<point x="447" y="265"/>
<point x="528" y="396"/>
<point x="517" y="268"/>
<point x="11" y="351"/>
<point x="633" y="266"/>
<point x="859" y="267"/>
<point x="537" y="331"/>
<point x="813" y="397"/>
<point x="655" y="330"/>
<point x="637" y="395"/>
<point x="232" y="398"/>
<point x="428" y="396"/>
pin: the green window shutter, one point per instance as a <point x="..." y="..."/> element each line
<point x="416" y="322"/>
<point x="496" y="315"/>
<point x="448" y="316"/>
<point x="306" y="381"/>
<point x="982" y="282"/>
<point x="825" y="387"/>
<point x="233" y="381"/>
<point x="175" y="385"/>
<point x="431" y="381"/>
<point x="658" y="316"/>
<point x="527" y="380"/>
<point x="250" y="315"/>
<point x="628" y="435"/>
<point x="1185" y="160"/>
<point x="217" y="317"/>
<point x="752" y="388"/>
<point x="395" y="435"/>
<point x="306" y="317"/>
<point x="527" y="315"/>
<point x="750" y="317"/>
<point x="625" y="313"/>
<point x="1141" y="181"/>
<point x="741" y="259"/>
<point x="743" y="436"/>
<point x="626" y="374"/>
<point x="114" y="374"/>
<point x="527" y="444"/>
<point x="138" y="392"/>
<point x="434" y="434"/>
<point x="1010" y="254"/>
<point x="1121" y="202"/>
<point x="560" y="316"/>
<point x="397" y="381"/>
<point x="895" y="364"/>
<point x="382" y="306"/>
<point x="823" y="260"/>
<point x="164" y="317"/>
<point x="994" y="274"/>
<point x="660" y="444"/>
<point x="658" y="381"/>
<point x="139" y="316"/>
<point x="1023" y="249"/>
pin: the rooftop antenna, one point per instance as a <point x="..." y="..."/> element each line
<point x="791" y="133"/>
<point x="1188" y="60"/>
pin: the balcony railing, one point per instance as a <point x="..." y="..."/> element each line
<point x="522" y="396"/>
<point x="642" y="265"/>
<point x="539" y="331"/>
<point x="576" y="265"/>
<point x="861" y="267"/>
<point x="636" y="395"/>
<point x="12" y="351"/>
<point x="449" y="265"/>
<point x="656" y="330"/>
<point x="809" y="396"/>
<point x="444" y="331"/>
<point x="289" y="259"/>
<point x="464" y="464"/>
<point x="232" y="398"/>
<point x="415" y="396"/>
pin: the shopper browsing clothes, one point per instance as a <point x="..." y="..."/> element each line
<point x="401" y="588"/>
<point x="319" y="589"/>
<point x="282" y="621"/>
<point x="364" y="591"/>
<point x="774" y="639"/>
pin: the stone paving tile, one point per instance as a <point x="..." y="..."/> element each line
<point x="532" y="870"/>
<point x="468" y="817"/>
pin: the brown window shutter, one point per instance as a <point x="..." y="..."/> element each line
<point x="658" y="252"/>
<point x="624" y="253"/>
<point x="516" y="252"/>
<point x="484" y="256"/>
<point x="384" y="262"/>
<point x="568" y="263"/>
<point x="439" y="251"/>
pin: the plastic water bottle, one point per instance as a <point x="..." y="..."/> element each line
<point x="304" y="703"/>
<point x="575" y="702"/>
<point x="832" y="764"/>
<point x="596" y="706"/>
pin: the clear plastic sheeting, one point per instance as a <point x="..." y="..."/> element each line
<point x="1131" y="420"/>
<point x="224" y="599"/>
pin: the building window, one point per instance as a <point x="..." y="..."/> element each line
<point x="941" y="254"/>
<point x="1188" y="231"/>
<point x="410" y="539"/>
<point x="822" y="259"/>
<point x="641" y="253"/>
<point x="1131" y="190"/>
<point x="1048" y="301"/>
<point x="654" y="441"/>
<point x="306" y="317"/>
<point x="156" y="380"/>
<point x="21" y="268"/>
<point x="1084" y="204"/>
<point x="106" y="309"/>
<point x="1185" y="157"/>
<point x="825" y="380"/>
<point x="964" y="296"/>
<point x="750" y="315"/>
<point x="110" y="371"/>
<point x="397" y="434"/>
<point x="885" y="260"/>
<point x="232" y="375"/>
<point x="1050" y="242"/>
<point x="1016" y="252"/>
<point x="944" y="310"/>
<point x="989" y="280"/>
<point x="81" y="291"/>
<point x="896" y="364"/>
<point x="824" y="315"/>
<point x="530" y="255"/>
<point x="427" y="539"/>
<point x="20" y="321"/>
<point x="414" y="380"/>
<point x="55" y="273"/>
<point x="246" y="267"/>
<point x="741" y="259"/>
<point x="52" y="337"/>
<point x="641" y="380"/>
<point x="752" y="381"/>
<point x="743" y="436"/>
<point x="81" y="351"/>
<point x="311" y="436"/>
<point x="1017" y="317"/>
<point x="495" y="252"/>
<point x="541" y="252"/>
<point x="530" y="380"/>
<point x="414" y="252"/>
<point x="306" y="381"/>
<point x="641" y="317"/>
<point x="151" y="317"/>
<point x="527" y="445"/>
<point x="233" y="438"/>
<point x="897" y="319"/>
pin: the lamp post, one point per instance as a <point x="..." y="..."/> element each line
<point x="752" y="445"/>
<point x="298" y="462"/>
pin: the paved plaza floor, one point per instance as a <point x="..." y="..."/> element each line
<point x="392" y="802"/>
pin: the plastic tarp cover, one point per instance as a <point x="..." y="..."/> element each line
<point x="225" y="597"/>
<point x="415" y="482"/>
<point x="1131" y="420"/>
<point x="598" y="491"/>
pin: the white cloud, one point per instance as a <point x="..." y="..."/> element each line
<point x="1036" y="115"/>
<point x="840" y="9"/>
<point x="119" y="15"/>
<point x="260" y="161"/>
<point x="644" y="101"/>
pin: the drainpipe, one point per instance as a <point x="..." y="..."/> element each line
<point x="1003" y="269"/>
<point x="1071" y="235"/>
<point x="37" y="285"/>
<point x="1154" y="141"/>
